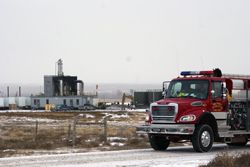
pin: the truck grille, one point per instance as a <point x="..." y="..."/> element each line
<point x="163" y="114"/>
<point x="163" y="119"/>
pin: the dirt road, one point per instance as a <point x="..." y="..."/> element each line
<point x="174" y="157"/>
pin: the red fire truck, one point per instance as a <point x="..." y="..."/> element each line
<point x="202" y="107"/>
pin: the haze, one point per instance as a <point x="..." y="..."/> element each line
<point x="122" y="41"/>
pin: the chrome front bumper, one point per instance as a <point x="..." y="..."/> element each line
<point x="175" y="129"/>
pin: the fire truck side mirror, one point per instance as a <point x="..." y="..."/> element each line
<point x="165" y="85"/>
<point x="164" y="93"/>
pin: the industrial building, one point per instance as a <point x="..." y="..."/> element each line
<point x="15" y="102"/>
<point x="62" y="90"/>
<point x="72" y="101"/>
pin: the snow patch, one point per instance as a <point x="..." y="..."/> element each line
<point x="28" y="119"/>
<point x="113" y="139"/>
<point x="9" y="150"/>
<point x="6" y="111"/>
<point x="117" y="144"/>
<point x="86" y="115"/>
<point x="116" y="115"/>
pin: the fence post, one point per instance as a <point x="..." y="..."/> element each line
<point x="69" y="132"/>
<point x="74" y="132"/>
<point x="105" y="126"/>
<point x="36" y="131"/>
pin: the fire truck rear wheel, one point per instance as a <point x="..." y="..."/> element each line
<point x="203" y="138"/>
<point x="159" y="143"/>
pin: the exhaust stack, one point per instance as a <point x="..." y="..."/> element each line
<point x="20" y="93"/>
<point x="8" y="91"/>
<point x="60" y="67"/>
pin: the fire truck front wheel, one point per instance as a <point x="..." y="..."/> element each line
<point x="203" y="138"/>
<point x="157" y="142"/>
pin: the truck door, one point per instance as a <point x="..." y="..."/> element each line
<point x="218" y="101"/>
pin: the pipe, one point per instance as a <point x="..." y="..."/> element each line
<point x="61" y="87"/>
<point x="20" y="94"/>
<point x="82" y="92"/>
<point x="8" y="91"/>
<point x="60" y="67"/>
<point x="80" y="87"/>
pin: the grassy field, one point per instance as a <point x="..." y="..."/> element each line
<point x="26" y="133"/>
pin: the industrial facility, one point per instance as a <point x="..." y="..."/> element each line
<point x="68" y="91"/>
<point x="59" y="89"/>
<point x="62" y="90"/>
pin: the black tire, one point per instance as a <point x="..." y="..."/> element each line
<point x="158" y="143"/>
<point x="203" y="138"/>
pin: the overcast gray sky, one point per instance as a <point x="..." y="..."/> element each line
<point x="122" y="41"/>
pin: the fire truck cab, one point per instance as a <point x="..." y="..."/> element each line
<point x="201" y="107"/>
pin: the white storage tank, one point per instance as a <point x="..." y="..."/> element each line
<point x="28" y="101"/>
<point x="1" y="102"/>
<point x="6" y="102"/>
<point x="20" y="101"/>
<point x="9" y="100"/>
<point x="12" y="100"/>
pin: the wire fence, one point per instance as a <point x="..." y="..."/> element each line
<point x="71" y="133"/>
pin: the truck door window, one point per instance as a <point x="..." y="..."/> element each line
<point x="217" y="89"/>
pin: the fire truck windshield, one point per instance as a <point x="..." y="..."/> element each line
<point x="188" y="89"/>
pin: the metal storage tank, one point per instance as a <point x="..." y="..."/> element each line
<point x="11" y="103"/>
<point x="12" y="100"/>
<point x="21" y="101"/>
<point x="6" y="102"/>
<point x="28" y="101"/>
<point x="154" y="96"/>
<point x="49" y="86"/>
<point x="1" y="102"/>
<point x="141" y="99"/>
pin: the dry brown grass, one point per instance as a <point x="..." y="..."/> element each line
<point x="14" y="138"/>
<point x="226" y="160"/>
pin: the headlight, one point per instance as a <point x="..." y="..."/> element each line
<point x="188" y="118"/>
<point x="147" y="118"/>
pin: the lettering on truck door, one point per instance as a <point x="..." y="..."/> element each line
<point x="218" y="105"/>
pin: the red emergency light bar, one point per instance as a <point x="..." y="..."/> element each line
<point x="185" y="73"/>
